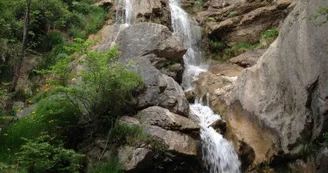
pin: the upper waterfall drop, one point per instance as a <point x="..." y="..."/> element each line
<point x="124" y="12"/>
<point x="191" y="35"/>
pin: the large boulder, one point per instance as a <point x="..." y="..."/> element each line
<point x="140" y="44"/>
<point x="286" y="91"/>
<point x="157" y="116"/>
<point x="135" y="160"/>
<point x="174" y="130"/>
<point x="179" y="134"/>
<point x="155" y="11"/>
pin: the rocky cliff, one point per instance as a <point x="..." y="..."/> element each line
<point x="279" y="105"/>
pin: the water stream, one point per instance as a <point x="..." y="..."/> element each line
<point x="191" y="35"/>
<point x="218" y="153"/>
<point x="124" y="12"/>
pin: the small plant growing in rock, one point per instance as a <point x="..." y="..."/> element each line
<point x="211" y="19"/>
<point x="233" y="14"/>
<point x="199" y="3"/>
<point x="273" y="33"/>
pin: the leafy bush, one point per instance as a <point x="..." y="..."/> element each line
<point x="199" y="3"/>
<point x="238" y="49"/>
<point x="112" y="166"/>
<point x="270" y="33"/>
<point x="41" y="156"/>
<point x="217" y="45"/>
<point x="54" y="115"/>
<point x="106" y="85"/>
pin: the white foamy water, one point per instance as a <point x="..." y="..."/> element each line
<point x="218" y="153"/>
<point x="124" y="12"/>
<point x="192" y="37"/>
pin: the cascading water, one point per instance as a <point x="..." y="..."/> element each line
<point x="192" y="37"/>
<point x="218" y="153"/>
<point x="124" y="12"/>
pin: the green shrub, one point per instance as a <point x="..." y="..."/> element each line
<point x="270" y="33"/>
<point x="41" y="156"/>
<point x="199" y="3"/>
<point x="233" y="14"/>
<point x="105" y="87"/>
<point x="217" y="45"/>
<point x="238" y="49"/>
<point x="211" y="19"/>
<point x="54" y="115"/>
<point x="111" y="166"/>
<point x="325" y="139"/>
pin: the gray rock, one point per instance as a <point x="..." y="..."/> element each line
<point x="177" y="142"/>
<point x="157" y="116"/>
<point x="135" y="159"/>
<point x="322" y="160"/>
<point x="172" y="49"/>
<point x="248" y="58"/>
<point x="155" y="11"/>
<point x="127" y="120"/>
<point x="174" y="130"/>
<point x="287" y="89"/>
<point x="139" y="44"/>
<point x="146" y="38"/>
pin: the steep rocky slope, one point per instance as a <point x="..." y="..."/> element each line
<point x="279" y="105"/>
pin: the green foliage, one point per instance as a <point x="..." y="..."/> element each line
<point x="106" y="85"/>
<point x="54" y="115"/>
<point x="233" y="14"/>
<point x="211" y="19"/>
<point x="238" y="49"/>
<point x="111" y="166"/>
<point x="49" y="20"/>
<point x="325" y="139"/>
<point x="273" y="33"/>
<point x="41" y="156"/>
<point x="217" y="45"/>
<point x="3" y="98"/>
<point x="199" y="3"/>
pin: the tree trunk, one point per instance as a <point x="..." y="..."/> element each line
<point x="24" y="42"/>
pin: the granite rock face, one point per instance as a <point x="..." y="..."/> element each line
<point x="286" y="91"/>
<point x="141" y="44"/>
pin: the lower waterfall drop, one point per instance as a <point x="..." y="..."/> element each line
<point x="218" y="153"/>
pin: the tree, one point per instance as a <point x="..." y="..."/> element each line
<point x="24" y="42"/>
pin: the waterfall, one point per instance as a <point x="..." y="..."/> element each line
<point x="218" y="153"/>
<point x="124" y="12"/>
<point x="191" y="35"/>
